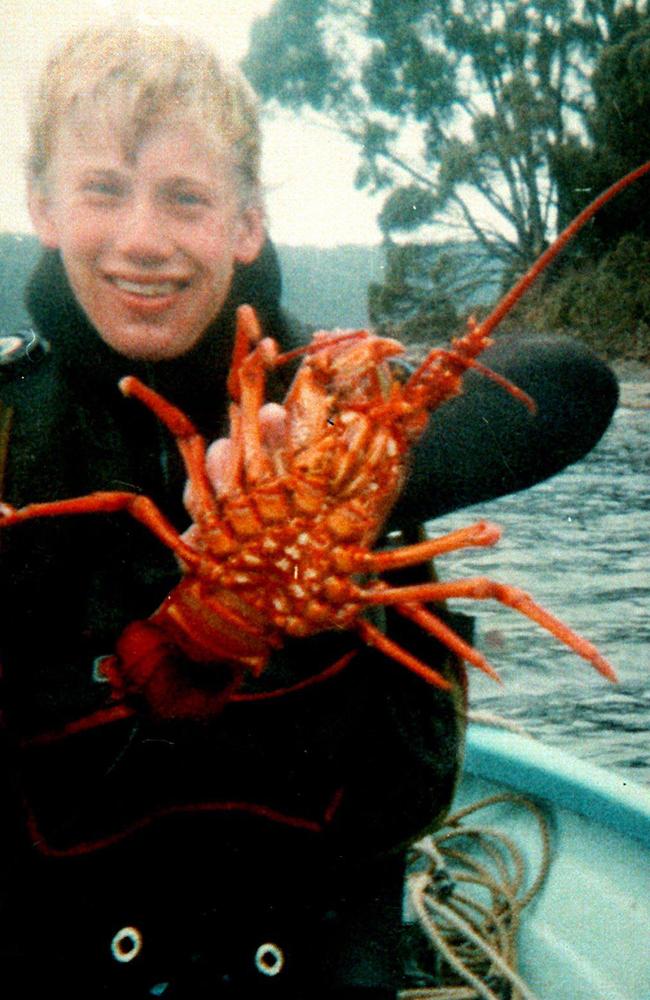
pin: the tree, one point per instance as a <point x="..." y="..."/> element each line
<point x="602" y="292"/>
<point x="426" y="290"/>
<point x="465" y="111"/>
<point x="618" y="130"/>
<point x="414" y="298"/>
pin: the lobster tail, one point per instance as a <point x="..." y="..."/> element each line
<point x="148" y="668"/>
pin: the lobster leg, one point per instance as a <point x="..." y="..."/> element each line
<point x="373" y="637"/>
<point x="483" y="533"/>
<point x="436" y="627"/>
<point x="480" y="589"/>
<point x="247" y="333"/>
<point x="190" y="444"/>
<point x="252" y="377"/>
<point x="138" y="506"/>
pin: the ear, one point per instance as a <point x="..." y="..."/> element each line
<point x="251" y="234"/>
<point x="40" y="210"/>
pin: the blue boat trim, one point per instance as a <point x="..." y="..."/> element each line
<point x="533" y="768"/>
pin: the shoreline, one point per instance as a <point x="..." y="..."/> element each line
<point x="634" y="382"/>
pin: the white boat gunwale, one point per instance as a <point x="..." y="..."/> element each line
<point x="533" y="768"/>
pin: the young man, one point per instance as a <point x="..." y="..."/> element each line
<point x="258" y="852"/>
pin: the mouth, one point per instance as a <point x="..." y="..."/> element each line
<point x="148" y="289"/>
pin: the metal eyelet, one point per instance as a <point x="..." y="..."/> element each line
<point x="269" y="959"/>
<point x="21" y="347"/>
<point x="126" y="945"/>
<point x="98" y="675"/>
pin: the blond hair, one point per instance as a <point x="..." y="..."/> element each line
<point x="144" y="75"/>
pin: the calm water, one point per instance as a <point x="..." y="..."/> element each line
<point x="580" y="544"/>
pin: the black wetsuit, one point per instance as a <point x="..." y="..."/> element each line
<point x="281" y="821"/>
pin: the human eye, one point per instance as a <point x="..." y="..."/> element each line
<point x="187" y="198"/>
<point x="103" y="188"/>
<point x="190" y="198"/>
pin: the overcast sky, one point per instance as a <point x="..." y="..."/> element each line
<point x="309" y="176"/>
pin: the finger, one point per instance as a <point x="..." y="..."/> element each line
<point x="217" y="462"/>
<point x="273" y="424"/>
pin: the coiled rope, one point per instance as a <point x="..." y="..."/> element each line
<point x="467" y="890"/>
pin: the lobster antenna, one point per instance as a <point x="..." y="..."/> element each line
<point x="335" y="338"/>
<point x="524" y="283"/>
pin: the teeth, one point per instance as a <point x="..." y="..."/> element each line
<point x="148" y="289"/>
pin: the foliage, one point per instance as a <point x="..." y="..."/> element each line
<point x="426" y="289"/>
<point x="414" y="302"/>
<point x="464" y="110"/>
<point x="604" y="302"/>
<point x="618" y="128"/>
<point x="499" y="119"/>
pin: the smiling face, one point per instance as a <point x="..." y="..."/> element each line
<point x="148" y="239"/>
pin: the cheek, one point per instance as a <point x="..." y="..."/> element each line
<point x="214" y="249"/>
<point x="217" y="268"/>
<point x="83" y="234"/>
<point x="213" y="243"/>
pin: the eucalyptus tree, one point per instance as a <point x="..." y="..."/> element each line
<point x="468" y="114"/>
<point x="618" y="129"/>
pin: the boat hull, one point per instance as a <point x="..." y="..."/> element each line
<point x="586" y="934"/>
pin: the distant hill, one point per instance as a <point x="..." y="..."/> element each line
<point x="18" y="255"/>
<point x="328" y="287"/>
<point x="323" y="287"/>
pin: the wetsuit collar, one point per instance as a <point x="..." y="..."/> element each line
<point x="190" y="381"/>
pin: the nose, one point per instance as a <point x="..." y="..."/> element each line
<point x="143" y="234"/>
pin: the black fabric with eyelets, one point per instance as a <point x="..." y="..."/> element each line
<point x="270" y="824"/>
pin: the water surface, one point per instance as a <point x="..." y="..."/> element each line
<point x="580" y="544"/>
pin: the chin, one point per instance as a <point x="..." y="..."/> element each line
<point x="149" y="347"/>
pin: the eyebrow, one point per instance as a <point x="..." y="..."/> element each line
<point x="183" y="179"/>
<point x="111" y="172"/>
<point x="173" y="179"/>
<point x="180" y="179"/>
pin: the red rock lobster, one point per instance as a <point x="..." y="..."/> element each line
<point x="282" y="546"/>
